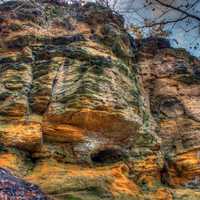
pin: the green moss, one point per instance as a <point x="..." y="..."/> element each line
<point x="97" y="191"/>
<point x="4" y="95"/>
<point x="75" y="53"/>
<point x="26" y="40"/>
<point x="144" y="185"/>
<point x="103" y="79"/>
<point x="14" y="66"/>
<point x="95" y="63"/>
<point x="169" y="159"/>
<point x="146" y="122"/>
<point x="71" y="197"/>
<point x="56" y="11"/>
<point x="75" y="99"/>
<point x="2" y="148"/>
<point x="83" y="69"/>
<point x="14" y="80"/>
<point x="40" y="73"/>
<point x="21" y="41"/>
<point x="124" y="196"/>
<point x="8" y="59"/>
<point x="123" y="68"/>
<point x="13" y="150"/>
<point x="189" y="79"/>
<point x="180" y="53"/>
<point x="15" y="27"/>
<point x="100" y="61"/>
<point x="97" y="70"/>
<point x="36" y="87"/>
<point x="114" y="40"/>
<point x="75" y="104"/>
<point x="117" y="49"/>
<point x="137" y="101"/>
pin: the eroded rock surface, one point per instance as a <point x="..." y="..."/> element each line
<point x="84" y="114"/>
<point x="173" y="86"/>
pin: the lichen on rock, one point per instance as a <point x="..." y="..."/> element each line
<point x="83" y="115"/>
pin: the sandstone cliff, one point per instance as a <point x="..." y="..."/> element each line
<point x="85" y="114"/>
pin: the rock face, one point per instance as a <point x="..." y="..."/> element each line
<point x="84" y="114"/>
<point x="173" y="89"/>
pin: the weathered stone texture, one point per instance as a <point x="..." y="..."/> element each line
<point x="86" y="115"/>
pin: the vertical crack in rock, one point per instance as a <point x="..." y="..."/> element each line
<point x="54" y="82"/>
<point x="120" y="118"/>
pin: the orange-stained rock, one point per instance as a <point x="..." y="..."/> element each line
<point x="172" y="86"/>
<point x="25" y="136"/>
<point x="121" y="184"/>
<point x="163" y="194"/>
<point x="63" y="133"/>
<point x="15" y="162"/>
<point x="184" y="168"/>
<point x="146" y="171"/>
<point x="109" y="124"/>
<point x="82" y="118"/>
<point x="112" y="180"/>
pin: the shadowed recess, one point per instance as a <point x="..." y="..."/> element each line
<point x="107" y="156"/>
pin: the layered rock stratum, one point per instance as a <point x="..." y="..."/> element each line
<point x="87" y="113"/>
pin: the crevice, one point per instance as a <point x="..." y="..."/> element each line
<point x="54" y="82"/>
<point x="28" y="111"/>
<point x="106" y="156"/>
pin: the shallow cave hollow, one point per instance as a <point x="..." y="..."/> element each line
<point x="107" y="156"/>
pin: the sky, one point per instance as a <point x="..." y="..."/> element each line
<point x="134" y="13"/>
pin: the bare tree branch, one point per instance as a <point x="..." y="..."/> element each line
<point x="165" y="22"/>
<point x="178" y="9"/>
